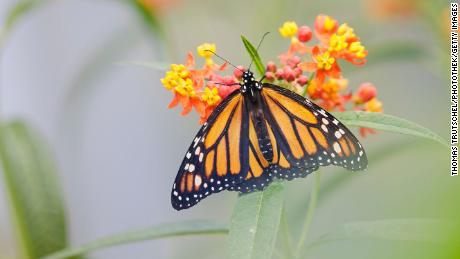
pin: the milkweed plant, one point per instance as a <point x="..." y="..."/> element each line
<point x="311" y="66"/>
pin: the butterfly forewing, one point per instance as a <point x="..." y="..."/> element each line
<point x="216" y="159"/>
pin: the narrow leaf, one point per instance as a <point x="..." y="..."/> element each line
<point x="254" y="56"/>
<point x="32" y="187"/>
<point x="388" y="123"/>
<point x="187" y="228"/>
<point x="255" y="222"/>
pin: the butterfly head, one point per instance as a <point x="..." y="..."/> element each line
<point x="249" y="82"/>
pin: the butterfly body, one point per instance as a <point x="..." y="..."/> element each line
<point x="259" y="133"/>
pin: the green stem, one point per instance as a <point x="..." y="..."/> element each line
<point x="310" y="213"/>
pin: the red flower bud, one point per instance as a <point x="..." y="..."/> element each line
<point x="302" y="80"/>
<point x="304" y="34"/>
<point x="288" y="74"/>
<point x="297" y="71"/>
<point x="271" y="66"/>
<point x="366" y="92"/>
<point x="269" y="76"/>
<point x="294" y="61"/>
<point x="279" y="73"/>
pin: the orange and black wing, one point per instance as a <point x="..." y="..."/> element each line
<point x="217" y="158"/>
<point x="302" y="137"/>
<point x="308" y="135"/>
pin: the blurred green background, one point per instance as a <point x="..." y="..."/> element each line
<point x="66" y="72"/>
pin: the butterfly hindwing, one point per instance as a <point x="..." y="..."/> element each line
<point x="217" y="158"/>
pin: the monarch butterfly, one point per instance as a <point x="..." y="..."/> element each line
<point x="259" y="133"/>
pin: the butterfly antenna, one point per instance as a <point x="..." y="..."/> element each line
<point x="260" y="43"/>
<point x="215" y="54"/>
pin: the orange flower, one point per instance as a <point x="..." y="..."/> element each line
<point x="180" y="80"/>
<point x="325" y="26"/>
<point x="324" y="64"/>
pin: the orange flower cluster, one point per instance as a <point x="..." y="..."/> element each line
<point x="308" y="69"/>
<point x="199" y="88"/>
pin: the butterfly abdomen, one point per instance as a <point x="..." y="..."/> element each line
<point x="265" y="144"/>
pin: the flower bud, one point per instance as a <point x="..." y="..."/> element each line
<point x="271" y="66"/>
<point x="304" y="34"/>
<point x="302" y="80"/>
<point x="288" y="74"/>
<point x="366" y="92"/>
<point x="297" y="71"/>
<point x="294" y="61"/>
<point x="269" y="76"/>
<point x="279" y="73"/>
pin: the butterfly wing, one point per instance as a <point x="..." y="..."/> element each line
<point x="218" y="157"/>
<point x="312" y="135"/>
<point x="303" y="137"/>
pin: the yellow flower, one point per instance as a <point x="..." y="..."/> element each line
<point x="333" y="86"/>
<point x="374" y="105"/>
<point x="324" y="61"/>
<point x="175" y="76"/>
<point x="185" y="88"/>
<point x="347" y="31"/>
<point x="204" y="50"/>
<point x="329" y="23"/>
<point x="288" y="30"/>
<point x="337" y="43"/>
<point x="211" y="97"/>
<point x="358" y="49"/>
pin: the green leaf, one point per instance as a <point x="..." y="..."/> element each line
<point x="255" y="222"/>
<point x="413" y="229"/>
<point x="384" y="122"/>
<point x="197" y="227"/>
<point x="254" y="56"/>
<point x="32" y="187"/>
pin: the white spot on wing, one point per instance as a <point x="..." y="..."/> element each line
<point x="198" y="180"/>
<point x="338" y="134"/>
<point x="337" y="147"/>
